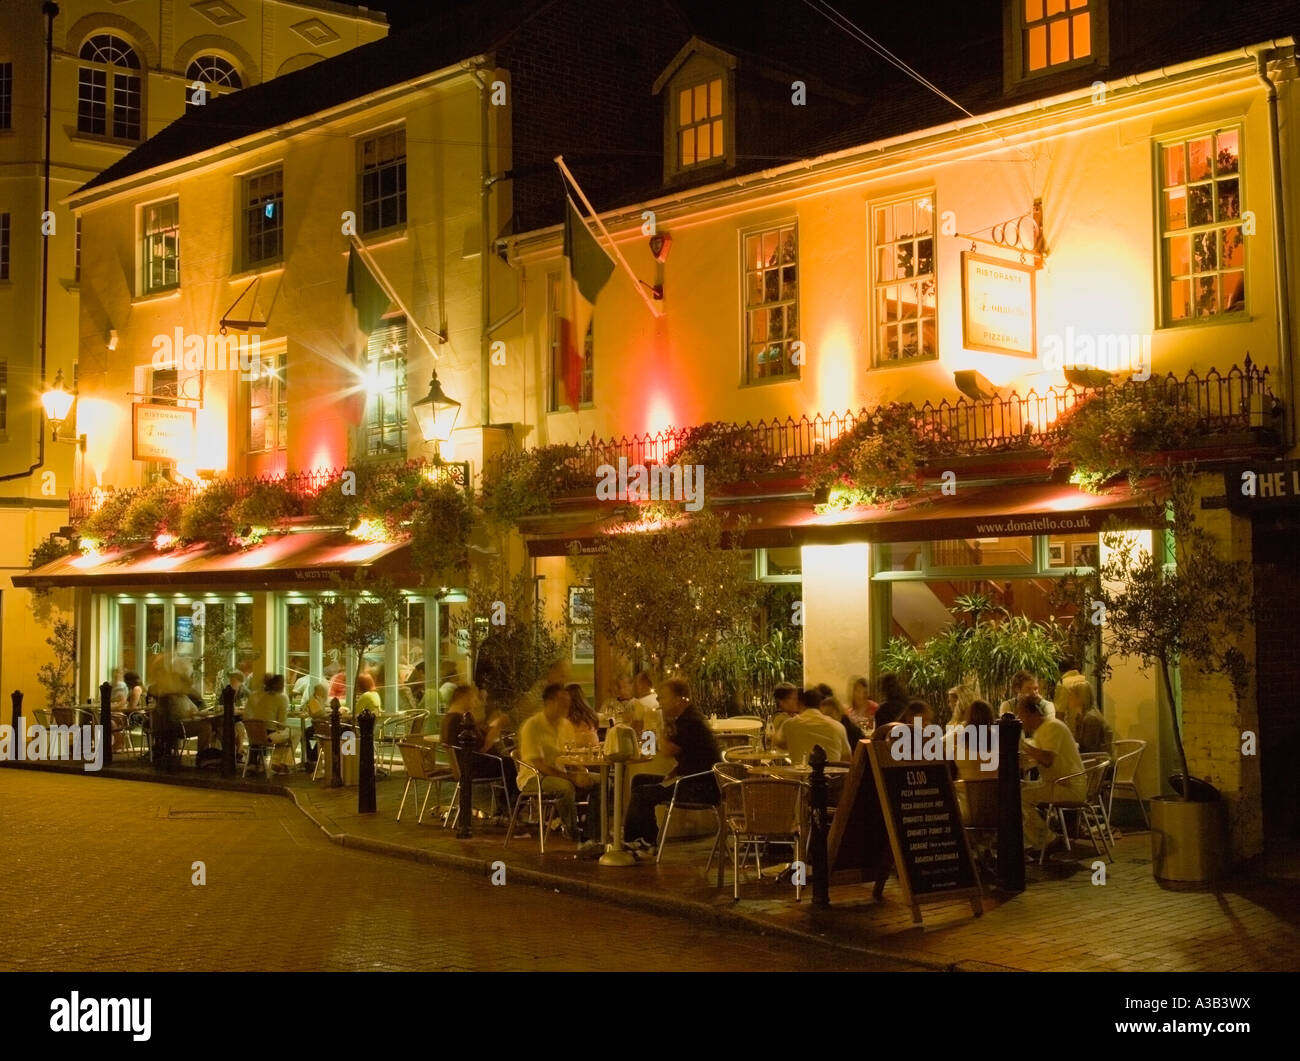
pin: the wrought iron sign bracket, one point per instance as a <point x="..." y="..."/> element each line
<point x="243" y="325"/>
<point x="1021" y="235"/>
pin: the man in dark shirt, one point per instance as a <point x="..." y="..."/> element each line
<point x="692" y="744"/>
<point x="893" y="700"/>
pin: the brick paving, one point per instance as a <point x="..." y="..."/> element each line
<point x="98" y="875"/>
<point x="1063" y="921"/>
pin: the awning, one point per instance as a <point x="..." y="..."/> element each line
<point x="280" y="562"/>
<point x="971" y="512"/>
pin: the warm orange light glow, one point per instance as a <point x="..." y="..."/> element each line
<point x="660" y="415"/>
<point x="369" y="530"/>
<point x="834" y="368"/>
<point x="164" y="541"/>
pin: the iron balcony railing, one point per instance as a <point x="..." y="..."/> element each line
<point x="299" y="484"/>
<point x="1224" y="403"/>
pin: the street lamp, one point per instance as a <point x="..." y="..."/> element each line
<point x="437" y="415"/>
<point x="58" y="405"/>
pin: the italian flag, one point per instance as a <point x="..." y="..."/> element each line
<point x="587" y="269"/>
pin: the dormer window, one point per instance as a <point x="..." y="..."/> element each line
<point x="1046" y="36"/>
<point x="700" y="123"/>
<point x="698" y="90"/>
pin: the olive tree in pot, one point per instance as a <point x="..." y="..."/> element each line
<point x="1168" y="608"/>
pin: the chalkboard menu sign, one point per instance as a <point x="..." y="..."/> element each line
<point x="902" y="815"/>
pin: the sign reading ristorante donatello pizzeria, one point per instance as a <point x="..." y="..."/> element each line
<point x="161" y="433"/>
<point x="997" y="301"/>
<point x="1268" y="484"/>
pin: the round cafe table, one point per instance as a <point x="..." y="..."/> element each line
<point x="799" y="773"/>
<point x="592" y="759"/>
<point x="757" y="756"/>
<point x="736" y="727"/>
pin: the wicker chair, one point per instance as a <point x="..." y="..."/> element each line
<point x="759" y="811"/>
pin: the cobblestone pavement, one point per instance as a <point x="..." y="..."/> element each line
<point x="98" y="875"/>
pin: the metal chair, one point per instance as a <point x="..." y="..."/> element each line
<point x="1128" y="757"/>
<point x="421" y="763"/>
<point x="257" y="737"/>
<point x="1088" y="809"/>
<point x="759" y="811"/>
<point x="494" y="777"/>
<point x="686" y="804"/>
<point x="530" y="789"/>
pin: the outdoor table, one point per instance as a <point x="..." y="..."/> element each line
<point x="729" y="727"/>
<point x="799" y="773"/>
<point x="583" y="759"/>
<point x="758" y="755"/>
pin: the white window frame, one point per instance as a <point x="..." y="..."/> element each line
<point x="878" y="284"/>
<point x="748" y="378"/>
<point x="146" y="257"/>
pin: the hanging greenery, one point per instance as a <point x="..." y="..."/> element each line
<point x="154" y="510"/>
<point x="209" y="516"/>
<point x="527" y="483"/>
<point x="103" y="527"/>
<point x="877" y="461"/>
<point x="440" y="526"/>
<point x="267" y="504"/>
<point x="55" y="547"/>
<point x="728" y="453"/>
<point x="1119" y="430"/>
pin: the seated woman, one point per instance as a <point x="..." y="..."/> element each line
<point x="368" y="700"/>
<point x="861" y="709"/>
<point x="317" y="708"/>
<point x="581" y="716"/>
<point x="487" y="731"/>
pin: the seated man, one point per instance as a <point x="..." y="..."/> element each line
<point x="1056" y="755"/>
<point x="542" y="739"/>
<point x="810" y="728"/>
<point x="692" y="744"/>
<point x="1091" y="730"/>
<point x="1025" y="684"/>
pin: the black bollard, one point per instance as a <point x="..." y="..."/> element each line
<point x="817" y="856"/>
<point x="17" y="699"/>
<point x="1011" y="833"/>
<point x="106" y="721"/>
<point x="467" y="741"/>
<point x="336" y="741"/>
<point x="228" y="731"/>
<point x="366" y="775"/>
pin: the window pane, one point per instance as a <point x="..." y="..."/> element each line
<point x="1200" y="205"/>
<point x="1037" y="48"/>
<point x="1207" y="295"/>
<point x="1233" y="248"/>
<point x="1180" y="256"/>
<point x="1060" y="32"/>
<point x="1077" y="4"/>
<point x="1180" y="299"/>
<point x="1055" y="7"/>
<point x="1234" y="291"/>
<point x="884" y="228"/>
<point x="703" y="143"/>
<point x="1033" y="10"/>
<point x="1082" y="35"/>
<point x="1229" y="201"/>
<point x="1199" y="158"/>
<point x="1226" y="160"/>
<point x="684" y="107"/>
<point x="718" y="150"/>
<point x="701" y="102"/>
<point x="1176" y="208"/>
<point x="687" y="149"/>
<point x="715" y="98"/>
<point x="1175" y="170"/>
<point x="903" y="219"/>
<point x="769" y="248"/>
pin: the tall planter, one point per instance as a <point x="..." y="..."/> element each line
<point x="1189" y="839"/>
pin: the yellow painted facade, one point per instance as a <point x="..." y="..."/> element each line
<point x="258" y="42"/>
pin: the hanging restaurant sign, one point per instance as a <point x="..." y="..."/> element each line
<point x="1266" y="485"/>
<point x="161" y="433"/>
<point x="997" y="301"/>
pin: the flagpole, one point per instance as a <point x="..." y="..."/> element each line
<point x="382" y="280"/>
<point x="656" y="309"/>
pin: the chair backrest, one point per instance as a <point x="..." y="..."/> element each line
<point x="417" y="723"/>
<point x="525" y="775"/>
<point x="1096" y="774"/>
<point x="259" y="733"/>
<point x="771" y="805"/>
<point x="1128" y="756"/>
<point x="727" y="771"/>
<point x="730" y="777"/>
<point x="64" y="716"/>
<point x="418" y="759"/>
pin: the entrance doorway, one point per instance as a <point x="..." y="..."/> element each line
<point x="1277" y="617"/>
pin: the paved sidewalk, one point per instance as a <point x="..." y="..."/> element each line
<point x="1063" y="921"/>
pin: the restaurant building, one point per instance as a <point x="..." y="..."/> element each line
<point x="119" y="74"/>
<point x="1103" y="202"/>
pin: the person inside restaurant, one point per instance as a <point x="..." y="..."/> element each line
<point x="861" y="708"/>
<point x="620" y="707"/>
<point x="317" y="709"/>
<point x="368" y="698"/>
<point x="832" y="708"/>
<point x="1050" y="746"/>
<point x="691" y="743"/>
<point x="810" y="728"/>
<point x="1025" y="684"/>
<point x="646" y="712"/>
<point x="272" y="705"/>
<point x="543" y="738"/>
<point x="786" y="697"/>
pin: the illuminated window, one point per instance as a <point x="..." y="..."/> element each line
<point x="6" y="95"/>
<point x="771" y="271"/>
<point x="700" y="136"/>
<point x="104" y="58"/>
<point x="1204" y="255"/>
<point x="559" y="394"/>
<point x="264" y="217"/>
<point x="268" y="407"/>
<point x="383" y="181"/>
<point x="161" y="246"/>
<point x="902" y="239"/>
<point x="4" y="246"/>
<point x="214" y="70"/>
<point x="1056" y="32"/>
<point x="385" y="419"/>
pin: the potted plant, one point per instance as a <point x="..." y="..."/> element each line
<point x="1170" y="607"/>
<point x="57" y="677"/>
<point x="356" y="615"/>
